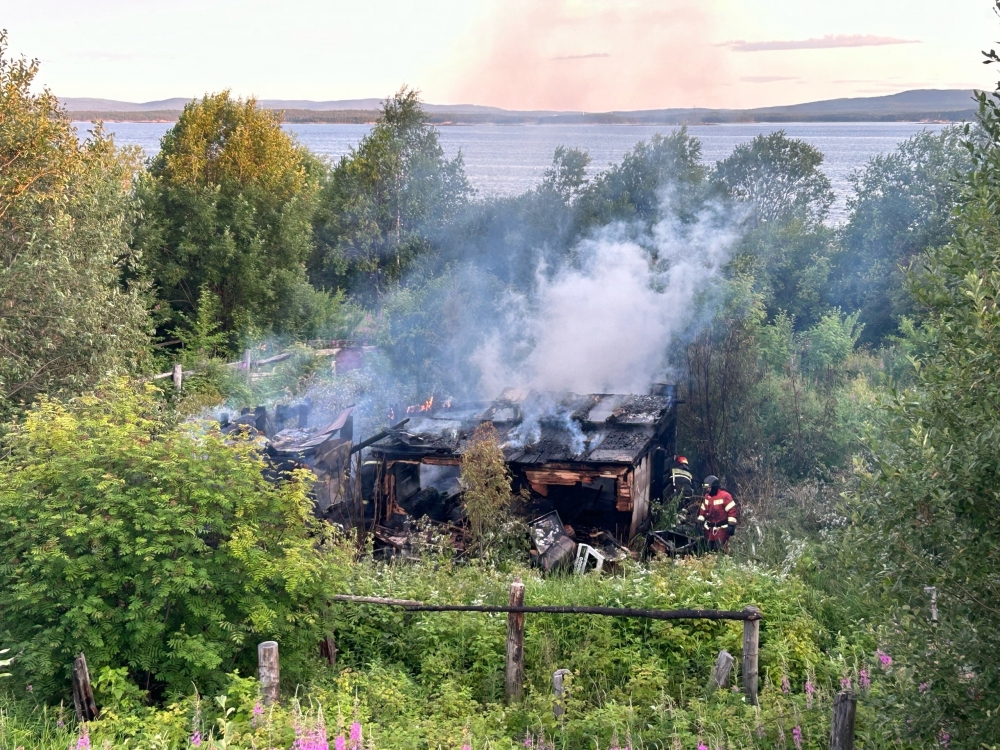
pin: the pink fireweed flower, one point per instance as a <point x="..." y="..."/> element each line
<point x="884" y="658"/>
<point x="944" y="738"/>
<point x="258" y="709"/>
<point x="786" y="686"/>
<point x="797" y="737"/>
<point x="845" y="683"/>
<point x="924" y="687"/>
<point x="196" y="739"/>
<point x="466" y="747"/>
<point x="864" y="680"/>
<point x="702" y="746"/>
<point x="83" y="742"/>
<point x="340" y="743"/>
<point x="810" y="690"/>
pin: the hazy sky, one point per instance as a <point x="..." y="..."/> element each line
<point x="593" y="55"/>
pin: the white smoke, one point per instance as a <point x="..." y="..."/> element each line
<point x="607" y="323"/>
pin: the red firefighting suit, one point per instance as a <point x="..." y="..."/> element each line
<point x="719" y="515"/>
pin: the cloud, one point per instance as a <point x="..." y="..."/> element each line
<point x="588" y="56"/>
<point x="768" y="79"/>
<point x="653" y="53"/>
<point x="830" y="41"/>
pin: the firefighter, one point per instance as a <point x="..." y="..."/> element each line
<point x="718" y="514"/>
<point x="681" y="498"/>
<point x="681" y="478"/>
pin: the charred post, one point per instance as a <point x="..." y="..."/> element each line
<point x="83" y="693"/>
<point x="845" y="706"/>
<point x="328" y="650"/>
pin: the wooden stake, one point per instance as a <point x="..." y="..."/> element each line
<point x="178" y="376"/>
<point x="720" y="674"/>
<point x="559" y="692"/>
<point x="514" y="673"/>
<point x="932" y="591"/>
<point x="328" y="650"/>
<point x="83" y="693"/>
<point x="845" y="706"/>
<point x="269" y="671"/>
<point x="751" y="640"/>
<point x="247" y="361"/>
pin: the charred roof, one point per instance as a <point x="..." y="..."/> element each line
<point x="539" y="427"/>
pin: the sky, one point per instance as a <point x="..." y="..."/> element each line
<point x="574" y="55"/>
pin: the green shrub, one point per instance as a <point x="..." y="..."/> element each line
<point x="149" y="546"/>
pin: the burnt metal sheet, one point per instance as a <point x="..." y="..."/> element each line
<point x="304" y="440"/>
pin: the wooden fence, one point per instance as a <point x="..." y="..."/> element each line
<point x="844" y="706"/>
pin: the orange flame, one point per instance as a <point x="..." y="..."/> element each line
<point x="426" y="406"/>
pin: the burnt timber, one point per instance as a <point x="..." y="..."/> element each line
<point x="597" y="459"/>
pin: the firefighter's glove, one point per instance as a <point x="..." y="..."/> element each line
<point x="731" y="528"/>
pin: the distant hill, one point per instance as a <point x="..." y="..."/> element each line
<point x="947" y="105"/>
<point x="84" y="104"/>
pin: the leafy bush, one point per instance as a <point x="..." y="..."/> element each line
<point x="487" y="498"/>
<point x="151" y="546"/>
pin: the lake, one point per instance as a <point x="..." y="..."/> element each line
<point x="509" y="159"/>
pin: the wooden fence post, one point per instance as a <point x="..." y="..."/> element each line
<point x="177" y="375"/>
<point x="328" y="649"/>
<point x="514" y="673"/>
<point x="269" y="671"/>
<point x="559" y="692"/>
<point x="720" y="674"/>
<point x="83" y="693"/>
<point x="247" y="361"/>
<point x="845" y="705"/>
<point x="751" y="641"/>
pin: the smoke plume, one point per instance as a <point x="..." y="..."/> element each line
<point x="607" y="321"/>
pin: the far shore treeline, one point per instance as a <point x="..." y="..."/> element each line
<point x="929" y="105"/>
<point x="840" y="380"/>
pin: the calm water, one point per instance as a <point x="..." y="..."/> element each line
<point x="508" y="159"/>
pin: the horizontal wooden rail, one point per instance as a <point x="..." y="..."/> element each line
<point x="651" y="614"/>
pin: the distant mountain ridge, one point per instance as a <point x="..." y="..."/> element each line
<point x="918" y="104"/>
<point x="84" y="104"/>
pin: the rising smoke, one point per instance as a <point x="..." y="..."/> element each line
<point x="607" y="320"/>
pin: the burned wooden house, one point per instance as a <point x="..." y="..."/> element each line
<point x="597" y="459"/>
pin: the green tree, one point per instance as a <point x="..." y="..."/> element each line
<point x="385" y="202"/>
<point x="776" y="176"/>
<point x="902" y="204"/>
<point x="665" y="171"/>
<point x="147" y="545"/>
<point x="67" y="314"/>
<point x="567" y="176"/>
<point x="228" y="210"/>
<point x="926" y="513"/>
